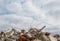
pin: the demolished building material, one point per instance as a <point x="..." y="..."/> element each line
<point x="33" y="34"/>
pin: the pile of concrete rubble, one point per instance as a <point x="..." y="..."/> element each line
<point x="33" y="34"/>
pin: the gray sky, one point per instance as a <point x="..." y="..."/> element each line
<point x="23" y="13"/>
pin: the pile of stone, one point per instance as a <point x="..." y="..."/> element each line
<point x="33" y="34"/>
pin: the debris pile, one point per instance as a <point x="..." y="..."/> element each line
<point x="33" y="34"/>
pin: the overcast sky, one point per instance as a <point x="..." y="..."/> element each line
<point x="24" y="14"/>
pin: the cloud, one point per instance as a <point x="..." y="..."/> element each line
<point x="14" y="7"/>
<point x="53" y="13"/>
<point x="17" y="21"/>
